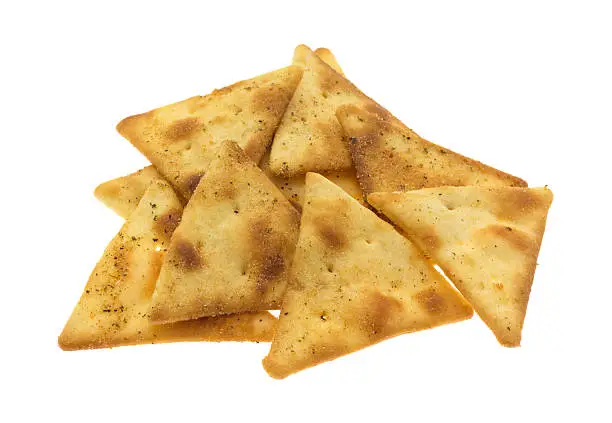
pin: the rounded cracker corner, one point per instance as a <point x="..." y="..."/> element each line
<point x="127" y="126"/>
<point x="272" y="370"/>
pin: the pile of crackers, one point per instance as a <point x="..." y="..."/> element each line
<point x="294" y="191"/>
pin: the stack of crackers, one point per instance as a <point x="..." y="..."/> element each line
<point x="294" y="191"/>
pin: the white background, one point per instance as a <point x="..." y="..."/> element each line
<point x="523" y="86"/>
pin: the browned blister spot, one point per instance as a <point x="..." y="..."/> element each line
<point x="187" y="255"/>
<point x="428" y="238"/>
<point x="330" y="223"/>
<point x="182" y="128"/>
<point x="379" y="313"/>
<point x="192" y="181"/>
<point x="516" y="238"/>
<point x="270" y="268"/>
<point x="267" y="262"/>
<point x="331" y="235"/>
<point x="525" y="199"/>
<point x="261" y="231"/>
<point x="431" y="301"/>
<point x="227" y="191"/>
<point x="361" y="148"/>
<point x="224" y="188"/>
<point x="512" y="204"/>
<point x="270" y="100"/>
<point x="381" y="168"/>
<point x="167" y="222"/>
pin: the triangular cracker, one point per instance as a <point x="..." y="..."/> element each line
<point x="486" y="239"/>
<point x="114" y="308"/>
<point x="233" y="248"/>
<point x="355" y="282"/>
<point x="309" y="138"/>
<point x="388" y="156"/>
<point x="181" y="139"/>
<point x="123" y="194"/>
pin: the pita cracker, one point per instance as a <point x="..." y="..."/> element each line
<point x="181" y="139"/>
<point x="328" y="57"/>
<point x="388" y="156"/>
<point x="233" y="248"/>
<point x="309" y="138"/>
<point x="123" y="194"/>
<point x="355" y="282"/>
<point x="486" y="239"/>
<point x="114" y="307"/>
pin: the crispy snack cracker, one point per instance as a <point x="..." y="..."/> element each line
<point x="388" y="156"/>
<point x="233" y="248"/>
<point x="355" y="282"/>
<point x="486" y="239"/>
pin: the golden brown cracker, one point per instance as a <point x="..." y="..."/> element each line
<point x="486" y="239"/>
<point x="233" y="248"/>
<point x="355" y="282"/>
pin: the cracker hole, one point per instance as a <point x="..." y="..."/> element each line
<point x="449" y="205"/>
<point x="330" y="268"/>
